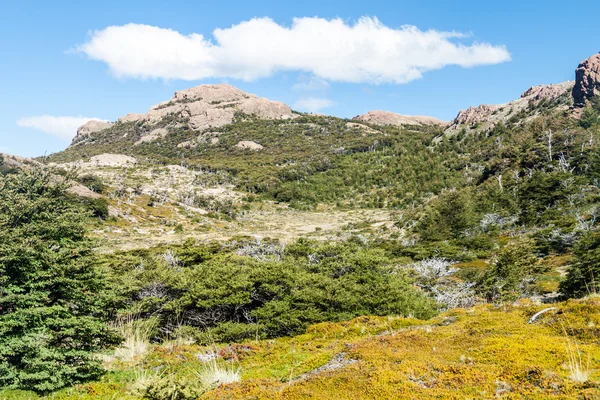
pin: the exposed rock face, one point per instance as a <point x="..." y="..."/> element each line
<point x="363" y="128"/>
<point x="152" y="136"/>
<point x="90" y="127"/>
<point x="486" y="116"/>
<point x="213" y="106"/>
<point x="248" y="145"/>
<point x="473" y="115"/>
<point x="16" y="161"/>
<point x="546" y="92"/>
<point x="587" y="80"/>
<point x="203" y="107"/>
<point x="389" y="118"/>
<point x="112" y="160"/>
<point x="131" y="117"/>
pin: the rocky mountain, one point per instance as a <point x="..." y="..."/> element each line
<point x="587" y="80"/>
<point x="485" y="116"/>
<point x="379" y="117"/>
<point x="202" y="107"/>
<point x="560" y="97"/>
<point x="207" y="108"/>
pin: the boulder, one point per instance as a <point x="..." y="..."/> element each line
<point x="248" y="145"/>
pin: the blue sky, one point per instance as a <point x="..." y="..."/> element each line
<point x="59" y="59"/>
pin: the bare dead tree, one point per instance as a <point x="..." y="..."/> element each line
<point x="548" y="134"/>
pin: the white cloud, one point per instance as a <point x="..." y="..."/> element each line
<point x="366" y="51"/>
<point x="311" y="84"/>
<point x="313" y="104"/>
<point x="62" y="127"/>
<point x="4" y="149"/>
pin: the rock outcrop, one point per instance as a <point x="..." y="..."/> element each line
<point x="212" y="106"/>
<point x="152" y="136"/>
<point x="379" y="117"/>
<point x="587" y="80"/>
<point x="546" y="92"/>
<point x="11" y="161"/>
<point x="248" y="145"/>
<point x="486" y="116"/>
<point x="203" y="107"/>
<point x="112" y="160"/>
<point x="474" y="115"/>
<point x="85" y="130"/>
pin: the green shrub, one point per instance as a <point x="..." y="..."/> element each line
<point x="512" y="272"/>
<point x="93" y="183"/>
<point x="97" y="206"/>
<point x="257" y="290"/>
<point x="54" y="302"/>
<point x="448" y="216"/>
<point x="583" y="275"/>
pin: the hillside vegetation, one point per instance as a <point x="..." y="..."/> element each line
<point x="479" y="226"/>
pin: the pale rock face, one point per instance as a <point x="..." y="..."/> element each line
<point x="546" y="92"/>
<point x="587" y="80"/>
<point x="486" y="116"/>
<point x="248" y="145"/>
<point x="112" y="160"/>
<point x="379" y="117"/>
<point x="90" y="127"/>
<point x="204" y="137"/>
<point x="212" y="118"/>
<point x="17" y="161"/>
<point x="213" y="106"/>
<point x="131" y="117"/>
<point x="152" y="136"/>
<point x="363" y="128"/>
<point x="264" y="108"/>
<point x="473" y="115"/>
<point x="188" y="144"/>
<point x="211" y="94"/>
<point x="203" y="107"/>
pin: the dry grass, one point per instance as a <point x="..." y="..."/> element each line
<point x="212" y="374"/>
<point x="136" y="334"/>
<point x="579" y="370"/>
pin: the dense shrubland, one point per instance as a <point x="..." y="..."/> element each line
<point x="248" y="289"/>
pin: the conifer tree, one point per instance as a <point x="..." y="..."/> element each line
<point x="53" y="302"/>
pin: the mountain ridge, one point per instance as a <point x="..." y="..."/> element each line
<point x="213" y="106"/>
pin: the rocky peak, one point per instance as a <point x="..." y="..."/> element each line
<point x="90" y="127"/>
<point x="587" y="80"/>
<point x="213" y="106"/>
<point x="547" y="92"/>
<point x="473" y="115"/>
<point x="486" y="116"/>
<point x="204" y="107"/>
<point x="379" y="117"/>
<point x="212" y="93"/>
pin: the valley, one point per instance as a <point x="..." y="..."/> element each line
<point x="223" y="245"/>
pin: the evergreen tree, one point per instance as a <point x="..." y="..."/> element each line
<point x="53" y="306"/>
<point x="583" y="276"/>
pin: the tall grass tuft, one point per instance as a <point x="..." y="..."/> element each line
<point x="212" y="374"/>
<point x="579" y="371"/>
<point x="136" y="334"/>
